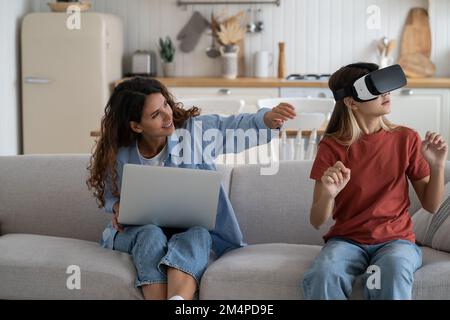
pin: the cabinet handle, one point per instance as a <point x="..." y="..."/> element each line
<point x="33" y="80"/>
<point x="407" y="92"/>
<point x="225" y="92"/>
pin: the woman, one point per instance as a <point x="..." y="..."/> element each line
<point x="361" y="171"/>
<point x="139" y="127"/>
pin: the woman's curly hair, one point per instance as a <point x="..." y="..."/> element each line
<point x="125" y="105"/>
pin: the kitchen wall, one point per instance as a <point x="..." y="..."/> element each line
<point x="11" y="14"/>
<point x="439" y="11"/>
<point x="320" y="35"/>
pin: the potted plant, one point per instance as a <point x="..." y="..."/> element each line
<point x="167" y="54"/>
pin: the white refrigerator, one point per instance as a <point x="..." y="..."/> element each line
<point x="67" y="78"/>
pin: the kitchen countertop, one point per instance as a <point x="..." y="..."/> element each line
<point x="275" y="82"/>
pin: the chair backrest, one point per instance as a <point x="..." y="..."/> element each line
<point x="305" y="121"/>
<point x="315" y="105"/>
<point x="220" y="106"/>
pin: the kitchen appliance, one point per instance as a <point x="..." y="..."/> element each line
<point x="144" y="63"/>
<point x="308" y="77"/>
<point x="67" y="77"/>
<point x="321" y="91"/>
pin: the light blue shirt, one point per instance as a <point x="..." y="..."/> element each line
<point x="227" y="234"/>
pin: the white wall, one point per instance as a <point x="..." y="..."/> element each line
<point x="320" y="35"/>
<point x="440" y="29"/>
<point x="11" y="14"/>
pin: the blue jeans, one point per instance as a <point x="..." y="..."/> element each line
<point x="154" y="249"/>
<point x="341" y="261"/>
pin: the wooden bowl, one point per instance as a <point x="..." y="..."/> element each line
<point x="62" y="6"/>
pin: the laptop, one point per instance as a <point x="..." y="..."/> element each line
<point x="169" y="197"/>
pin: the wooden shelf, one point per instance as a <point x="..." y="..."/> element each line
<point x="279" y="83"/>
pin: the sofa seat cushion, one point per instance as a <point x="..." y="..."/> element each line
<point x="275" y="271"/>
<point x="432" y="280"/>
<point x="261" y="271"/>
<point x="34" y="267"/>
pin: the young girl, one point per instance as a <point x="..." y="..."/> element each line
<point x="139" y="128"/>
<point x="361" y="173"/>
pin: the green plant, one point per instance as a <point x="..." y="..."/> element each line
<point x="166" y="49"/>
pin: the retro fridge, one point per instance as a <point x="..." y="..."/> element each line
<point x="67" y="77"/>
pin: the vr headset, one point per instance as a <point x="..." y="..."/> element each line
<point x="374" y="84"/>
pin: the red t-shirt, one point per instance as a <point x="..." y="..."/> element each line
<point x="373" y="206"/>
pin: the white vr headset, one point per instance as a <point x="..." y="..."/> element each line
<point x="374" y="84"/>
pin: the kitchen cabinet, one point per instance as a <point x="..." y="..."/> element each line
<point x="249" y="95"/>
<point x="423" y="110"/>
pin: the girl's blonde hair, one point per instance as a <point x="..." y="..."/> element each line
<point x="343" y="126"/>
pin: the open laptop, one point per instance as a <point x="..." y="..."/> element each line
<point x="169" y="197"/>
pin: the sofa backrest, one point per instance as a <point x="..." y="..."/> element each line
<point x="277" y="208"/>
<point x="47" y="195"/>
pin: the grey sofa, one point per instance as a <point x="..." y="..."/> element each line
<point x="49" y="221"/>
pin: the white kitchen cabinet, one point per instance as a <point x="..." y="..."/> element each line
<point x="423" y="110"/>
<point x="249" y="95"/>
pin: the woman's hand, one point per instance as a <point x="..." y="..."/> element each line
<point x="335" y="179"/>
<point x="434" y="150"/>
<point x="275" y="118"/>
<point x="115" y="219"/>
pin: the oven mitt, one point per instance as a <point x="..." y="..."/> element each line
<point x="192" y="31"/>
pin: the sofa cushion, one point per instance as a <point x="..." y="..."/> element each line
<point x="432" y="280"/>
<point x="47" y="195"/>
<point x="262" y="271"/>
<point x="433" y="230"/>
<point x="275" y="208"/>
<point x="34" y="267"/>
<point x="275" y="271"/>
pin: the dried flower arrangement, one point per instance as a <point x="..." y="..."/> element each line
<point x="230" y="31"/>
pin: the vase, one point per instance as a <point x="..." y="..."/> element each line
<point x="229" y="61"/>
<point x="169" y="69"/>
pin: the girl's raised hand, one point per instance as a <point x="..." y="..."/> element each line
<point x="434" y="149"/>
<point x="335" y="178"/>
<point x="275" y="118"/>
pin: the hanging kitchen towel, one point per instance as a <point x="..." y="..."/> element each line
<point x="192" y="31"/>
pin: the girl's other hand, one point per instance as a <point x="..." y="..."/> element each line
<point x="335" y="179"/>
<point x="434" y="149"/>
